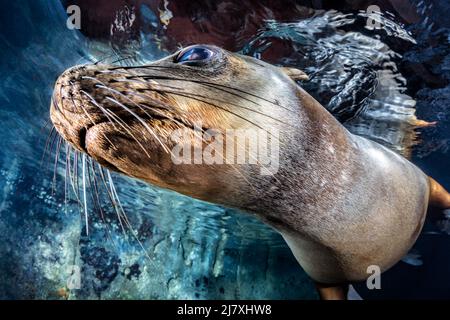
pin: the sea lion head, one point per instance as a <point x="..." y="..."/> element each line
<point x="131" y="119"/>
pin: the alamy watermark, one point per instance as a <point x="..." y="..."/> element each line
<point x="373" y="17"/>
<point x="259" y="147"/>
<point x="74" y="280"/>
<point x="374" y="280"/>
<point x="74" y="19"/>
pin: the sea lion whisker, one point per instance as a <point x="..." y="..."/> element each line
<point x="155" y="109"/>
<point x="132" y="67"/>
<point x="142" y="122"/>
<point x="206" y="97"/>
<point x="66" y="174"/>
<point x="105" y="58"/>
<point x="127" y="98"/>
<point x="47" y="144"/>
<point x="236" y="169"/>
<point x="237" y="115"/>
<point x="214" y="85"/>
<point x="146" y="83"/>
<point x="71" y="173"/>
<point x="44" y="126"/>
<point x="122" y="59"/>
<point x="150" y="100"/>
<point x="134" y="114"/>
<point x="156" y="103"/>
<point x="145" y="66"/>
<point x="127" y="128"/>
<point x="143" y="107"/>
<point x="55" y="167"/>
<point x="83" y="166"/>
<point x="94" y="123"/>
<point x="93" y="191"/>
<point x="111" y="197"/>
<point x="115" y="201"/>
<point x="105" y="184"/>
<point x="127" y="221"/>
<point x="93" y="187"/>
<point x="92" y="173"/>
<point x="194" y="96"/>
<point x="154" y="106"/>
<point x="224" y="161"/>
<point x="98" y="106"/>
<point x="75" y="174"/>
<point x="206" y="83"/>
<point x="54" y="138"/>
<point x="224" y="109"/>
<point x="201" y="82"/>
<point x="96" y="63"/>
<point x="103" y="86"/>
<point x="221" y="86"/>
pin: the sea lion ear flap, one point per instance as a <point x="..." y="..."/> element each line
<point x="294" y="74"/>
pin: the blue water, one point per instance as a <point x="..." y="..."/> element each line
<point x="196" y="250"/>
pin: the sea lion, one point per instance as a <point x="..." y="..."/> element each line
<point x="341" y="202"/>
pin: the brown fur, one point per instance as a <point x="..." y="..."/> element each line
<point x="439" y="197"/>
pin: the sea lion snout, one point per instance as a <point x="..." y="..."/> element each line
<point x="71" y="112"/>
<point x="88" y="95"/>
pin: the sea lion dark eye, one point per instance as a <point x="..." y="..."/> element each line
<point x="195" y="55"/>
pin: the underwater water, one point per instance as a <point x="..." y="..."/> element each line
<point x="375" y="80"/>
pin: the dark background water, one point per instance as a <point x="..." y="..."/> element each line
<point x="201" y="251"/>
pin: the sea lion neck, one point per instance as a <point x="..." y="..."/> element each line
<point x="321" y="152"/>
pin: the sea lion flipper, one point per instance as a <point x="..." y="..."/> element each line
<point x="439" y="197"/>
<point x="295" y="74"/>
<point x="332" y="291"/>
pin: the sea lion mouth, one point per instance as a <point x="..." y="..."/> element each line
<point x="83" y="132"/>
<point x="83" y="136"/>
<point x="108" y="140"/>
